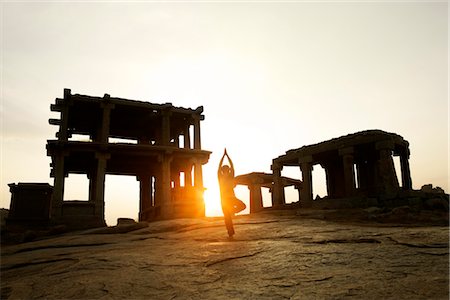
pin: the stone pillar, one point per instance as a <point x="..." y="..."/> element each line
<point x="386" y="178"/>
<point x="360" y="177"/>
<point x="145" y="194"/>
<point x="98" y="185"/>
<point x="406" y="173"/>
<point x="278" y="188"/>
<point x="197" y="143"/>
<point x="328" y="179"/>
<point x="349" y="172"/>
<point x="299" y="190"/>
<point x="187" y="137"/>
<point x="165" y="186"/>
<point x="188" y="176"/>
<point x="256" y="203"/>
<point x="175" y="178"/>
<point x="103" y="131"/>
<point x="198" y="175"/>
<point x="158" y="195"/>
<point x="92" y="181"/>
<point x="152" y="190"/>
<point x="199" y="189"/>
<point x="306" y="167"/>
<point x="58" y="186"/>
<point x="165" y="127"/>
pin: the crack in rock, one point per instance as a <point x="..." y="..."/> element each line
<point x="58" y="247"/>
<point x="343" y="241"/>
<point x="231" y="258"/>
<point x="41" y="262"/>
<point x="149" y="238"/>
<point x="218" y="278"/>
<point x="437" y="254"/>
<point x="433" y="245"/>
<point x="319" y="279"/>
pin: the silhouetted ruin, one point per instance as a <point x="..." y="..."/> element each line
<point x="30" y="205"/>
<point x="359" y="164"/>
<point x="160" y="145"/>
<point x="157" y="143"/>
<point x="257" y="180"/>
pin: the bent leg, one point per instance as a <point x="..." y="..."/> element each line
<point x="238" y="205"/>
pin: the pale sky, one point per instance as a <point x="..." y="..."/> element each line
<point x="272" y="76"/>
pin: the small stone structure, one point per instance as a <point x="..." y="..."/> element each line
<point x="158" y="143"/>
<point x="359" y="164"/>
<point x="256" y="180"/>
<point x="30" y="205"/>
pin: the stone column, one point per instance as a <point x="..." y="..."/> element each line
<point x="99" y="185"/>
<point x="197" y="143"/>
<point x="386" y="178"/>
<point x="165" y="186"/>
<point x="145" y="194"/>
<point x="165" y="126"/>
<point x="198" y="175"/>
<point x="278" y="188"/>
<point x="306" y="168"/>
<point x="188" y="176"/>
<point x="103" y="131"/>
<point x="58" y="186"/>
<point x="187" y="137"/>
<point x="158" y="196"/>
<point x="349" y="172"/>
<point x="406" y="173"/>
<point x="328" y="179"/>
<point x="199" y="189"/>
<point x="256" y="203"/>
<point x="175" y="178"/>
<point x="299" y="191"/>
<point x="360" y="178"/>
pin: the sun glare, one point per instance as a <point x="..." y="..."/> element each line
<point x="212" y="201"/>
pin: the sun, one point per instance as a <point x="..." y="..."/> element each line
<point x="213" y="207"/>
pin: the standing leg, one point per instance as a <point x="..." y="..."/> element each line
<point x="228" y="222"/>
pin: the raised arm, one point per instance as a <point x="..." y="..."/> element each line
<point x="221" y="163"/>
<point x="231" y="164"/>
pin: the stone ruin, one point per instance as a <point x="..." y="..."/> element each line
<point x="359" y="164"/>
<point x="159" y="144"/>
<point x="359" y="169"/>
<point x="257" y="180"/>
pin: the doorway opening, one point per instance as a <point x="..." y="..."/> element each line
<point x="319" y="182"/>
<point x="76" y="187"/>
<point x="121" y="198"/>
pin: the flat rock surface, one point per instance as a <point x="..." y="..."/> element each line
<point x="272" y="256"/>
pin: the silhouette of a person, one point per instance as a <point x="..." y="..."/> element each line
<point x="230" y="204"/>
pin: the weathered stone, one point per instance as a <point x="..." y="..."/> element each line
<point x="369" y="152"/>
<point x="125" y="221"/>
<point x="273" y="256"/>
<point x="148" y="147"/>
<point x="437" y="204"/>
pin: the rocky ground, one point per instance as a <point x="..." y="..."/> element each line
<point x="277" y="255"/>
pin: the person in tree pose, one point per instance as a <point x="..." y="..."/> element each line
<point x="230" y="204"/>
